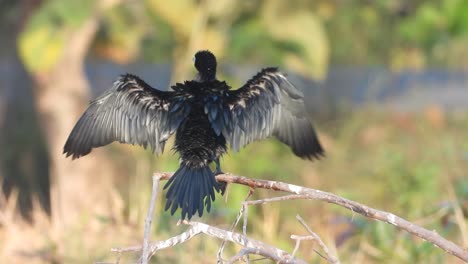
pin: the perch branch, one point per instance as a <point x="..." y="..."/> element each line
<point x="430" y="236"/>
<point x="196" y="228"/>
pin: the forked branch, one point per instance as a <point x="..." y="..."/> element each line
<point x="254" y="246"/>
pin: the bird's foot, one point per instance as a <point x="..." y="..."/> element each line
<point x="222" y="185"/>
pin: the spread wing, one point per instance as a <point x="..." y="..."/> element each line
<point x="130" y="112"/>
<point x="267" y="105"/>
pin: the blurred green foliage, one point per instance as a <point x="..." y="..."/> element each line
<point x="406" y="164"/>
<point x="303" y="35"/>
<point x="403" y="164"/>
<point x="42" y="41"/>
<point x="401" y="34"/>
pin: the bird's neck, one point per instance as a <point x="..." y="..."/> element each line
<point x="206" y="76"/>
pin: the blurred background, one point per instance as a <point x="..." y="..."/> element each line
<point x="386" y="84"/>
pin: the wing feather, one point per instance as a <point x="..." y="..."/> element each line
<point x="130" y="112"/>
<point x="267" y="105"/>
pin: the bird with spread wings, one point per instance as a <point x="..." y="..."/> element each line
<point x="206" y="116"/>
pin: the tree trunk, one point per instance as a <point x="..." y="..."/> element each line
<point x="84" y="187"/>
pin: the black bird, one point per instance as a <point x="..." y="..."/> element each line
<point x="206" y="116"/>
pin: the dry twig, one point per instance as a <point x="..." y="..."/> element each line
<point x="246" y="252"/>
<point x="149" y="219"/>
<point x="329" y="256"/>
<point x="244" y="226"/>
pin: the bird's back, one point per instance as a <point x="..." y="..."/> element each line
<point x="196" y="141"/>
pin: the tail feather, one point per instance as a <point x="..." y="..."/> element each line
<point x="191" y="189"/>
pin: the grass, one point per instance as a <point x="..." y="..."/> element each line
<point x="414" y="165"/>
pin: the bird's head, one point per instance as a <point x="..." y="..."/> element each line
<point x="205" y="63"/>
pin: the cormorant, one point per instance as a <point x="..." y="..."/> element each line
<point x="205" y="115"/>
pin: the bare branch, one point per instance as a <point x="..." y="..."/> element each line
<point x="149" y="219"/>
<point x="196" y="228"/>
<point x="296" y="247"/>
<point x="245" y="208"/>
<point x="430" y="236"/>
<point x="181" y="238"/>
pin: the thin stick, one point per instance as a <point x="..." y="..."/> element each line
<point x="239" y="215"/>
<point x="149" y="219"/>
<point x="244" y="226"/>
<point x="330" y="257"/>
<point x="296" y="247"/>
<point x="277" y="199"/>
<point x="459" y="218"/>
<point x="299" y="239"/>
<point x="430" y="236"/>
<point x="246" y="252"/>
<point x="246" y="217"/>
